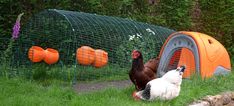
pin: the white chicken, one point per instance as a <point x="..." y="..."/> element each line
<point x="165" y="88"/>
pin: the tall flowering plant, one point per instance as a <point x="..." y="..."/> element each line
<point x="15" y="34"/>
<point x="16" y="28"/>
<point x="8" y="52"/>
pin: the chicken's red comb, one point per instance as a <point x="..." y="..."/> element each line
<point x="135" y="51"/>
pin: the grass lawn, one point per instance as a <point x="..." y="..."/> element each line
<point x="30" y="93"/>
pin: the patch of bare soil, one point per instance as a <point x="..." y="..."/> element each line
<point x="89" y="87"/>
<point x="223" y="99"/>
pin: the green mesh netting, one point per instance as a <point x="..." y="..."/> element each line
<point x="66" y="31"/>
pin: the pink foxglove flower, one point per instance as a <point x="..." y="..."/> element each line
<point x="16" y="28"/>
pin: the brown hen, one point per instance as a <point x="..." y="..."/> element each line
<point x="140" y="73"/>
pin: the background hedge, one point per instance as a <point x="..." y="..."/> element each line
<point x="213" y="17"/>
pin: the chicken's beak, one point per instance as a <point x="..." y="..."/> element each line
<point x="134" y="95"/>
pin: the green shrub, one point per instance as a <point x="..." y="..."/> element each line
<point x="217" y="20"/>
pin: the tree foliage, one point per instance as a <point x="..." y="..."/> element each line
<point x="216" y="16"/>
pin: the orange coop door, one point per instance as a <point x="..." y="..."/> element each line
<point x="187" y="59"/>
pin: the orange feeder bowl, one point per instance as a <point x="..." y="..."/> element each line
<point x="101" y="58"/>
<point x="85" y="55"/>
<point x="36" y="54"/>
<point x="51" y="56"/>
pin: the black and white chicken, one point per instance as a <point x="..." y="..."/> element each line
<point x="165" y="88"/>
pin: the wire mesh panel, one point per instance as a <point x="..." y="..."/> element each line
<point x="66" y="31"/>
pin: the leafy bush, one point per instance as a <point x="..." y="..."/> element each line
<point x="176" y="13"/>
<point x="231" y="53"/>
<point x="145" y="44"/>
<point x="217" y="20"/>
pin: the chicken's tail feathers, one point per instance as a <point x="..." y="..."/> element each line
<point x="146" y="92"/>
